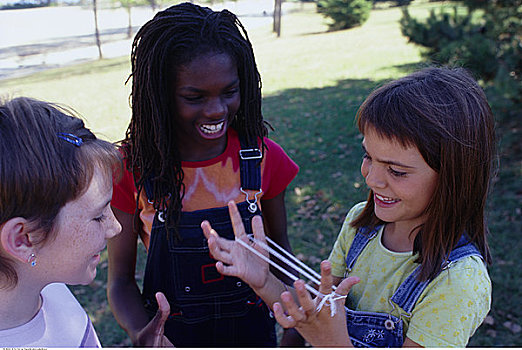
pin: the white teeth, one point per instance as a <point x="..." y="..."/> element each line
<point x="211" y="128"/>
<point x="386" y="199"/>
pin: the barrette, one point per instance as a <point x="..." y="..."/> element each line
<point x="71" y="138"/>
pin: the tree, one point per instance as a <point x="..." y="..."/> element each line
<point x="277" y="17"/>
<point x="487" y="39"/>
<point x="345" y="13"/>
<point x="96" y="30"/>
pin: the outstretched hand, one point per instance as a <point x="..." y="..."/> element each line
<point x="152" y="335"/>
<point x="233" y="258"/>
<point x="319" y="328"/>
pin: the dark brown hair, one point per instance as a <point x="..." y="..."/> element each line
<point x="172" y="39"/>
<point x="444" y="113"/>
<point x="40" y="171"/>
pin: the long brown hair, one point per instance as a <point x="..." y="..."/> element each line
<point x="172" y="39"/>
<point x="444" y="113"/>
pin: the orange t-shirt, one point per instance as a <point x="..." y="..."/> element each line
<point x="212" y="183"/>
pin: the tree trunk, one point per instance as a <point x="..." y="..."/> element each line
<point x="277" y="17"/>
<point x="96" y="30"/>
<point x="129" y="28"/>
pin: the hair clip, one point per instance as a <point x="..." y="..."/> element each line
<point x="71" y="138"/>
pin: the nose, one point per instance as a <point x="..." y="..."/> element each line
<point x="216" y="108"/>
<point x="114" y="226"/>
<point x="374" y="175"/>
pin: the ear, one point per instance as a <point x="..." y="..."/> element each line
<point x="15" y="238"/>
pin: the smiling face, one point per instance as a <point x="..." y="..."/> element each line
<point x="207" y="97"/>
<point x="402" y="182"/>
<point x="82" y="227"/>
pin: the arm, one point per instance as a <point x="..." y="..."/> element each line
<point x="123" y="293"/>
<point x="274" y="217"/>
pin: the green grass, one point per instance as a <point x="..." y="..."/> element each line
<point x="313" y="83"/>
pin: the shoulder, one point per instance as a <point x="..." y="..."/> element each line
<point x="344" y="241"/>
<point x="453" y="305"/>
<point x="66" y="322"/>
<point x="61" y="322"/>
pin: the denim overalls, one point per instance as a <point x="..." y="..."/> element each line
<point x="372" y="329"/>
<point x="207" y="308"/>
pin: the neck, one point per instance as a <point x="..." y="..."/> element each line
<point x="18" y="305"/>
<point x="397" y="238"/>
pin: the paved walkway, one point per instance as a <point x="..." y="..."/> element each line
<point x="36" y="39"/>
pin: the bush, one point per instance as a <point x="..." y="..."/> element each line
<point x="345" y="13"/>
<point x="487" y="40"/>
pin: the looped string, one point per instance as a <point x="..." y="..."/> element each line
<point x="330" y="300"/>
<point x="295" y="264"/>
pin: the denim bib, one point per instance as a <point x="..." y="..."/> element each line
<point x="374" y="329"/>
<point x="207" y="308"/>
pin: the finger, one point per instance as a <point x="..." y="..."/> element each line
<point x="208" y="231"/>
<point x="346" y="285"/>
<point x="281" y="318"/>
<point x="326" y="278"/>
<point x="237" y="222"/>
<point x="220" y="248"/>
<point x="304" y="297"/>
<point x="258" y="228"/>
<point x="158" y="322"/>
<point x="228" y="270"/>
<point x="292" y="309"/>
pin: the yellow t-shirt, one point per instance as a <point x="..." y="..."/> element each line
<point x="448" y="311"/>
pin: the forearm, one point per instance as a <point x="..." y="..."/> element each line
<point x="127" y="306"/>
<point x="272" y="289"/>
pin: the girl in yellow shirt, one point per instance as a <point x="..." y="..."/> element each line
<point x="415" y="252"/>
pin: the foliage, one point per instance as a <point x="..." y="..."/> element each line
<point x="394" y="2"/>
<point x="345" y="14"/>
<point x="487" y="39"/>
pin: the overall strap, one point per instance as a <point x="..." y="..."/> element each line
<point x="408" y="293"/>
<point x="250" y="165"/>
<point x="363" y="236"/>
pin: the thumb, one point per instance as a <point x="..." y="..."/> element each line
<point x="344" y="287"/>
<point x="158" y="322"/>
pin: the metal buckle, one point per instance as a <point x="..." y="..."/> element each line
<point x="252" y="153"/>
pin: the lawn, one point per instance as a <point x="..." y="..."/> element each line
<point x="313" y="83"/>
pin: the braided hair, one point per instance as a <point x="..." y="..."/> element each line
<point x="172" y="39"/>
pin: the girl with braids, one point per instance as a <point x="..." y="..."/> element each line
<point x="196" y="140"/>
<point x="410" y="262"/>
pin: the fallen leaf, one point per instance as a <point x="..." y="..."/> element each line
<point x="512" y="326"/>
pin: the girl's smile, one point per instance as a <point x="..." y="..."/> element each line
<point x="206" y="97"/>
<point x="401" y="180"/>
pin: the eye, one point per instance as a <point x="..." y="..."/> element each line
<point x="100" y="218"/>
<point x="396" y="173"/>
<point x="193" y="98"/>
<point x="231" y="92"/>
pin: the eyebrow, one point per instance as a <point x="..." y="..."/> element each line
<point x="195" y="89"/>
<point x="389" y="162"/>
<point x="103" y="206"/>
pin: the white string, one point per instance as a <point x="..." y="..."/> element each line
<point x="312" y="278"/>
<point x="328" y="300"/>
<point x="293" y="277"/>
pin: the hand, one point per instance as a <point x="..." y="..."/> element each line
<point x="233" y="258"/>
<point x="317" y="327"/>
<point x="152" y="335"/>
